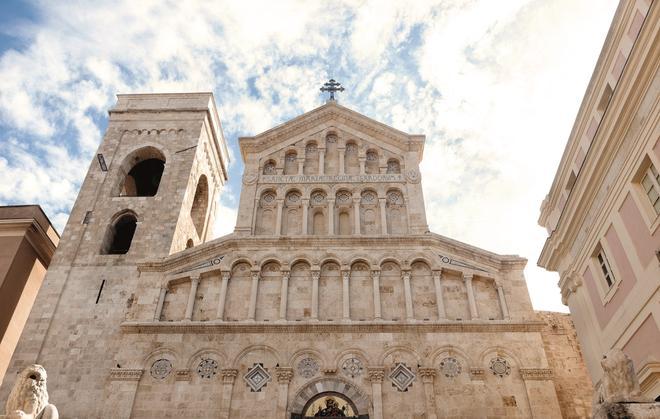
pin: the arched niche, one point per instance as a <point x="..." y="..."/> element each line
<point x="396" y="213"/>
<point x="292" y="214"/>
<point x="318" y="221"/>
<point x="119" y="234"/>
<point x="331" y="160"/>
<point x="266" y="213"/>
<point x="351" y="160"/>
<point x="369" y="213"/>
<point x="371" y="165"/>
<point x="344" y="213"/>
<point x="311" y="390"/>
<point x="291" y="163"/>
<point x="311" y="164"/>
<point x="200" y="205"/>
<point x="141" y="172"/>
<point x="393" y="166"/>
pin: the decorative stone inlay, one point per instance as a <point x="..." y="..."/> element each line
<point x="394" y="198"/>
<point x="351" y="148"/>
<point x="257" y="377"/>
<point x="293" y="197"/>
<point x="331" y="139"/>
<point x="402" y="377"/>
<point x="268" y="198"/>
<point x="536" y="373"/>
<point x="369" y="197"/>
<point x="343" y="197"/>
<point x="125" y="374"/>
<point x="352" y="367"/>
<point x="372" y="156"/>
<point x="318" y="197"/>
<point x="450" y="367"/>
<point x="308" y="367"/>
<point x="500" y="366"/>
<point x="207" y="368"/>
<point x="250" y="178"/>
<point x="310" y="148"/>
<point x="413" y="176"/>
<point x="161" y="368"/>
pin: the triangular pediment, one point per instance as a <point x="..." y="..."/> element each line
<point x="332" y="116"/>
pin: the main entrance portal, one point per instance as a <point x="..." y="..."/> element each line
<point x="330" y="398"/>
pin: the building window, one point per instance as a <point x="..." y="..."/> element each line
<point x="651" y="186"/>
<point x="119" y="235"/>
<point x="605" y="268"/>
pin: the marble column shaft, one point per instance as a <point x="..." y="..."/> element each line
<point x="383" y="215"/>
<point x="194" y="283"/>
<point x="254" y="288"/>
<point x="315" y="294"/>
<point x="278" y="221"/>
<point x="356" y="216"/>
<point x="284" y="294"/>
<point x="375" y="276"/>
<point x="331" y="216"/>
<point x="439" y="298"/>
<point x="305" y="212"/>
<point x="159" y="306"/>
<point x="228" y="378"/>
<point x="220" y="314"/>
<point x="428" y="378"/>
<point x="503" y="306"/>
<point x="408" y="295"/>
<point x="376" y="375"/>
<point x="346" y="307"/>
<point x="474" y="314"/>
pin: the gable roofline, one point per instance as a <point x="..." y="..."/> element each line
<point x="299" y="124"/>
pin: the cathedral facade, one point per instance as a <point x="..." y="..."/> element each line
<point x="330" y="299"/>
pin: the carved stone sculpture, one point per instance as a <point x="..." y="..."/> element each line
<point x="29" y="397"/>
<point x="619" y="382"/>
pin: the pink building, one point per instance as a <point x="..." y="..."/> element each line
<point x="602" y="213"/>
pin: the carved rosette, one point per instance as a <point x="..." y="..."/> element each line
<point x="413" y="176"/>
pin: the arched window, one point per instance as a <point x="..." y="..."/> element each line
<point x="371" y="166"/>
<point x="265" y="223"/>
<point x="311" y="165"/>
<point x="119" y="236"/>
<point x="143" y="171"/>
<point x="331" y="162"/>
<point x="200" y="204"/>
<point x="270" y="168"/>
<point x="292" y="214"/>
<point x="396" y="213"/>
<point x="351" y="161"/>
<point x="393" y="166"/>
<point x="291" y="163"/>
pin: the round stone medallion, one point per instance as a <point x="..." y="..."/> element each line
<point x="500" y="366"/>
<point x="450" y="367"/>
<point x="207" y="368"/>
<point x="308" y="367"/>
<point x="161" y="369"/>
<point x="352" y="367"/>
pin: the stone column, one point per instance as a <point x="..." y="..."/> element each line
<point x="254" y="289"/>
<point x="228" y="378"/>
<point x="223" y="295"/>
<point x="194" y="283"/>
<point x="321" y="161"/>
<point x="356" y="215"/>
<point x="342" y="157"/>
<point x="503" y="306"/>
<point x="346" y="312"/>
<point x="278" y="221"/>
<point x="301" y="163"/>
<point x="331" y="216"/>
<point x="428" y="377"/>
<point x="159" y="306"/>
<point x="255" y="208"/>
<point x="383" y="215"/>
<point x="363" y="161"/>
<point x="376" y="375"/>
<point x="375" y="276"/>
<point x="315" y="294"/>
<point x="408" y="294"/>
<point x="474" y="314"/>
<point x="305" y="212"/>
<point x="284" y="294"/>
<point x="284" y="376"/>
<point x="439" y="299"/>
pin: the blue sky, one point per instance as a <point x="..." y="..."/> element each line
<point x="494" y="86"/>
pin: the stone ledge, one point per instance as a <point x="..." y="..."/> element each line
<point x="240" y="327"/>
<point x="125" y="374"/>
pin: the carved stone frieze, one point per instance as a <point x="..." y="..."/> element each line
<point x="536" y="373"/>
<point x="125" y="374"/>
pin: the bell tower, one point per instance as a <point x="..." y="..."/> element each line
<point x="152" y="188"/>
<point x="150" y="191"/>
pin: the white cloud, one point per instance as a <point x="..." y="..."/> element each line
<point x="493" y="85"/>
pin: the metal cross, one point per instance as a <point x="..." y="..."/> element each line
<point x="332" y="86"/>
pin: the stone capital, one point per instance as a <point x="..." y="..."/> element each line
<point x="427" y="374"/>
<point x="226" y="275"/>
<point x="376" y="374"/>
<point x="284" y="374"/>
<point x="228" y="375"/>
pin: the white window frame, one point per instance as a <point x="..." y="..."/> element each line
<point x="640" y="195"/>
<point x="651" y="186"/>
<point x="605" y="290"/>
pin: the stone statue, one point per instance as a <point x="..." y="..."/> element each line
<point x="619" y="383"/>
<point x="29" y="397"/>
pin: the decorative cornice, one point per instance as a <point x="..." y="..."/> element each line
<point x="427" y="374"/>
<point x="228" y="375"/>
<point x="536" y="373"/>
<point x="334" y="327"/>
<point x="125" y="374"/>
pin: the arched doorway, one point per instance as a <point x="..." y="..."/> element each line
<point x="332" y="398"/>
